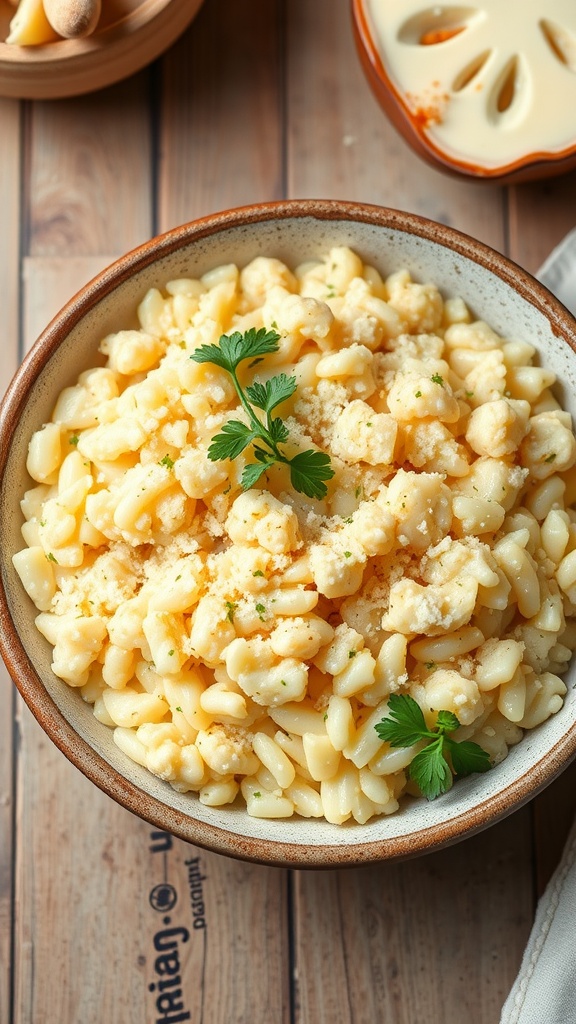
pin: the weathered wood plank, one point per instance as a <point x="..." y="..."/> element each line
<point x="90" y="172"/>
<point x="340" y="145"/>
<point x="9" y="304"/>
<point x="221" y="126"/>
<point x="88" y="194"/>
<point x="541" y="214"/>
<point x="435" y="939"/>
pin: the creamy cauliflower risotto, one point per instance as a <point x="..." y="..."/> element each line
<point x="248" y="640"/>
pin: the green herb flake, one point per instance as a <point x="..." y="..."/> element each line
<point x="551" y="457"/>
<point x="261" y="609"/>
<point x="74" y="440"/>
<point x="352" y="654"/>
<point x="437" y="379"/>
<point x="51" y="558"/>
<point x="442" y="757"/>
<point x="231" y="606"/>
<point x="258" y="572"/>
<point x="167" y="461"/>
<point x="431" y="665"/>
<point x="417" y="394"/>
<point x="347" y="554"/>
<point x="257" y="794"/>
<point x="178" y="709"/>
<point x="171" y="653"/>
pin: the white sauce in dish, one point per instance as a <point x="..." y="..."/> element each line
<point x="487" y="83"/>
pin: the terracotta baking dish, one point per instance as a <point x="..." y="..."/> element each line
<point x="473" y="89"/>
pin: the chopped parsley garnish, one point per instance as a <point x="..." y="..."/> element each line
<point x="74" y="439"/>
<point x="433" y="768"/>
<point x="258" y="572"/>
<point x="231" y="606"/>
<point x="167" y="461"/>
<point x="437" y="379"/>
<point x="308" y="469"/>
<point x="261" y="609"/>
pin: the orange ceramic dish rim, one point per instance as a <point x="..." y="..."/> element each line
<point x="217" y="837"/>
<point x="532" y="166"/>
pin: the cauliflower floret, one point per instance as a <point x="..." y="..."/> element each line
<point x="549" y="446"/>
<point x="227" y="749"/>
<point x="362" y="435"/>
<point x="300" y="637"/>
<point x="132" y="351"/>
<point x="420" y="305"/>
<point x="477" y="336"/>
<point x="77" y="643"/>
<point x="497" y="428"/>
<point x="430" y="610"/>
<point x="429" y="445"/>
<point x="486" y="382"/>
<point x="304" y="317"/>
<point x="197" y="474"/>
<point x="335" y="572"/>
<point x="263" y="273"/>
<point x="416" y="397"/>
<point x="493" y="480"/>
<point x="261" y="675"/>
<point x="257" y="517"/>
<point x="458" y="558"/>
<point x="365" y="318"/>
<point x="422" y="506"/>
<point x="446" y="690"/>
<point x="211" y="629"/>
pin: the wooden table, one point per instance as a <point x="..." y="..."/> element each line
<point x="260" y="99"/>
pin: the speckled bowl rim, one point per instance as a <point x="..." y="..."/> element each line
<point x="531" y="167"/>
<point x="51" y="719"/>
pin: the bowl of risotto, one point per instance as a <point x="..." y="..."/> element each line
<point x="289" y="546"/>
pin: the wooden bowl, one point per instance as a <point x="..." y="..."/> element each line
<point x="130" y="34"/>
<point x="515" y="305"/>
<point x="430" y="66"/>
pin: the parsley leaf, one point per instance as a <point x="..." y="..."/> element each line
<point x="252" y="473"/>
<point x="431" y="771"/>
<point x="232" y="349"/>
<point x="234" y="437"/>
<point x="309" y="469"/>
<point x="433" y="767"/>
<point x="276" y="390"/>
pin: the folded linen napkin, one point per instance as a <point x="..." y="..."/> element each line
<point x="545" y="990"/>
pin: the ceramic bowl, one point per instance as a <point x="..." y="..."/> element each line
<point x="495" y="289"/>
<point x="129" y="35"/>
<point x="472" y="91"/>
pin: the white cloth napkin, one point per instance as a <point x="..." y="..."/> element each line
<point x="545" y="990"/>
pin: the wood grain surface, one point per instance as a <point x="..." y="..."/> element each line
<point x="101" y="918"/>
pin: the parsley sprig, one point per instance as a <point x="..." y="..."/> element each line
<point x="309" y="469"/>
<point x="433" y="768"/>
